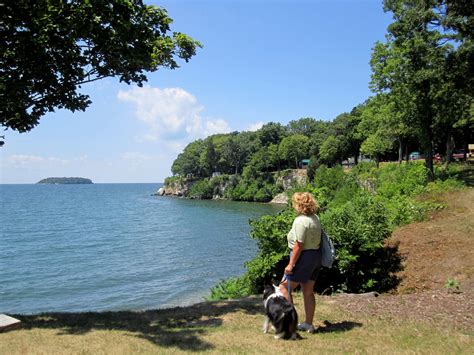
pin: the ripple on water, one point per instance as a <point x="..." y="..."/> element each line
<point x="113" y="246"/>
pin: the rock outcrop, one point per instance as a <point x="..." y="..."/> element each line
<point x="281" y="198"/>
<point x="292" y="178"/>
<point x="178" y="188"/>
<point x="286" y="179"/>
<point x="159" y="192"/>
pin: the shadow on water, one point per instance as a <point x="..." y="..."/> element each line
<point x="179" y="327"/>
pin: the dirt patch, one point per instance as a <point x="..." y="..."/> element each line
<point x="437" y="280"/>
<point x="440" y="308"/>
<point x="440" y="249"/>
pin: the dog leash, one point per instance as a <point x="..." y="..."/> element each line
<point x="289" y="287"/>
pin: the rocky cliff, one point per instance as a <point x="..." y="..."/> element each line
<point x="178" y="187"/>
<point x="287" y="179"/>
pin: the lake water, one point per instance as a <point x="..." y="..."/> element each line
<point x="115" y="247"/>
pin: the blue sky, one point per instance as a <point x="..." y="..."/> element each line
<point x="262" y="61"/>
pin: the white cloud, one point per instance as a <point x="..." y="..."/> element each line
<point x="175" y="147"/>
<point x="216" y="126"/>
<point x="147" y="138"/>
<point x="255" y="127"/>
<point x="171" y="113"/>
<point x="20" y="160"/>
<point x="133" y="156"/>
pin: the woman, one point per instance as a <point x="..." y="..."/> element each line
<point x="304" y="239"/>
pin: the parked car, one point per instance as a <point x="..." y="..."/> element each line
<point x="416" y="156"/>
<point x="458" y="155"/>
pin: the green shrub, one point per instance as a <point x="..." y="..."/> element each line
<point x="440" y="186"/>
<point x="270" y="234"/>
<point x="402" y="210"/>
<point x="359" y="210"/>
<point x="234" y="287"/>
<point x="330" y="178"/>
<point x="261" y="189"/>
<point x="359" y="229"/>
<point x="332" y="187"/>
<point x="401" y="179"/>
<point x="444" y="172"/>
<point x="202" y="189"/>
<point x="170" y="180"/>
<point x="364" y="170"/>
<point x="345" y="194"/>
<point x="265" y="193"/>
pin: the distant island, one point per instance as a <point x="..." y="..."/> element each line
<point x="65" y="180"/>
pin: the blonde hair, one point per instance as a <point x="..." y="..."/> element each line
<point x="304" y="203"/>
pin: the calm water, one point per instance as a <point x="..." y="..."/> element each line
<point x="114" y="247"/>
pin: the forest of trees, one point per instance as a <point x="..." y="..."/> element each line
<point x="273" y="147"/>
<point x="422" y="79"/>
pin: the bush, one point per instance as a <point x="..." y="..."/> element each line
<point x="440" y="186"/>
<point x="359" y="220"/>
<point x="444" y="172"/>
<point x="401" y="179"/>
<point x="231" y="288"/>
<point x="202" y="189"/>
<point x="270" y="233"/>
<point x="332" y="187"/>
<point x="403" y="210"/>
<point x="330" y="179"/>
<point x="358" y="230"/>
<point x="170" y="180"/>
<point x="266" y="193"/>
<point x="261" y="189"/>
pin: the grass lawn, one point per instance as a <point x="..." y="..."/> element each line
<point x="228" y="327"/>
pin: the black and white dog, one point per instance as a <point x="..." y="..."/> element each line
<point x="280" y="313"/>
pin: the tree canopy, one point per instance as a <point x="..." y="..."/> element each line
<point x="50" y="48"/>
<point x="422" y="65"/>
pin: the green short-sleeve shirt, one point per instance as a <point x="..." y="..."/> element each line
<point x="307" y="230"/>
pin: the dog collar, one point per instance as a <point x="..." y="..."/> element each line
<point x="273" y="295"/>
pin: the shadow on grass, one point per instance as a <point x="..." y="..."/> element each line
<point x="467" y="175"/>
<point x="337" y="327"/>
<point x="179" y="327"/>
<point x="379" y="268"/>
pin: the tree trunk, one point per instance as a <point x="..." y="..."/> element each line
<point x="429" y="155"/>
<point x="400" y="150"/>
<point x="467" y="132"/>
<point x="448" y="149"/>
<point x="429" y="162"/>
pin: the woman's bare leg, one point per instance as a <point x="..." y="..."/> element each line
<point x="309" y="300"/>
<point x="284" y="289"/>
